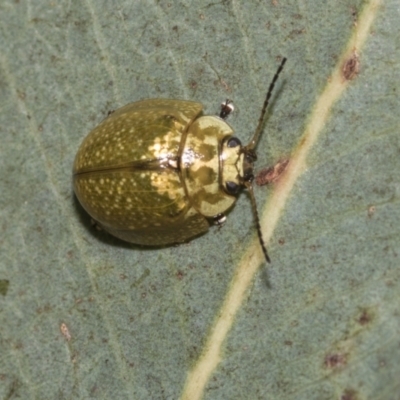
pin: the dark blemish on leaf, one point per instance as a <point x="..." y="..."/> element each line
<point x="365" y="317"/>
<point x="335" y="360"/>
<point x="281" y="241"/>
<point x="349" y="394"/>
<point x="296" y="32"/>
<point x="351" y="67"/>
<point x="12" y="392"/>
<point x="288" y="342"/>
<point x="354" y="14"/>
<point x="271" y="174"/>
<point x="179" y="275"/>
<point x="4" y="285"/>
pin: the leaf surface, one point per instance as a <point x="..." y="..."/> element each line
<point x="84" y="315"/>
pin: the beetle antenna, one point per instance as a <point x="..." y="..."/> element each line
<point x="254" y="140"/>
<point x="249" y="186"/>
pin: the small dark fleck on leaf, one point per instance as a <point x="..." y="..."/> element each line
<point x="364" y="318"/>
<point x="4" y="284"/>
<point x="336" y="360"/>
<point x="349" y="394"/>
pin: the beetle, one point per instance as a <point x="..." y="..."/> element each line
<point x="157" y="172"/>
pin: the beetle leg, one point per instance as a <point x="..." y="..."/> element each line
<point x="219" y="219"/>
<point x="226" y="108"/>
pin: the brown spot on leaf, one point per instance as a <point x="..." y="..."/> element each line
<point x="351" y="67"/>
<point x="65" y="331"/>
<point x="335" y="360"/>
<point x="349" y="394"/>
<point x="371" y="211"/>
<point x="4" y="284"/>
<point x="365" y="317"/>
<point x="271" y="174"/>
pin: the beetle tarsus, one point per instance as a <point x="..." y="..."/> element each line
<point x="226" y="108"/>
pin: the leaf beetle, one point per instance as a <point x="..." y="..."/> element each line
<point x="157" y="172"/>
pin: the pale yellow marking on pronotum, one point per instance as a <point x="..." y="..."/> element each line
<point x="211" y="356"/>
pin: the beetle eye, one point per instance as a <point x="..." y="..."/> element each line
<point x="232" y="187"/>
<point x="234" y="142"/>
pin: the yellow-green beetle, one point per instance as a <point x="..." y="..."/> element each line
<point x="157" y="171"/>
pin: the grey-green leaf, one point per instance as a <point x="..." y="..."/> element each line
<point x="84" y="315"/>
